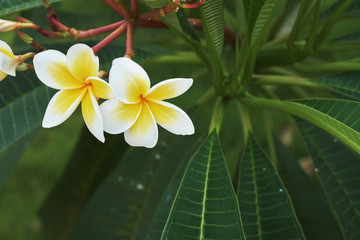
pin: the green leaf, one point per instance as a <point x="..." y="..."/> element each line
<point x="142" y="176"/>
<point x="266" y="209"/>
<point x="163" y="206"/>
<point x="338" y="171"/>
<point x="89" y="164"/>
<point x="205" y="206"/>
<point x="258" y="14"/>
<point x="212" y="15"/>
<point x="338" y="117"/>
<point x="347" y="83"/>
<point x="7" y="6"/>
<point x="22" y="104"/>
<point x="312" y="210"/>
<point x="186" y="26"/>
<point x="149" y="178"/>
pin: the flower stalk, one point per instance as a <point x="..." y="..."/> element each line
<point x="115" y="34"/>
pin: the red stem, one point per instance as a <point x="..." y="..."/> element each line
<point x="111" y="37"/>
<point x="134" y="8"/>
<point x="130" y="40"/>
<point x="97" y="31"/>
<point x="58" y="24"/>
<point x="115" y="7"/>
<point x="124" y="8"/>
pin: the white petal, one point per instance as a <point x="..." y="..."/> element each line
<point x="92" y="116"/>
<point x="8" y="64"/>
<point x="82" y="61"/>
<point x="5" y="48"/>
<point x="169" y="88"/>
<point x="101" y="88"/>
<point x="171" y="117"/>
<point x="128" y="79"/>
<point x="117" y="116"/>
<point x="50" y="67"/>
<point x="61" y="106"/>
<point x="144" y="132"/>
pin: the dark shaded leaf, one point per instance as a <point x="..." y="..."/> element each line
<point x="266" y="208"/>
<point x="338" y="171"/>
<point x="311" y="207"/>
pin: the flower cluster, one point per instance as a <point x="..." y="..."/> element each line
<point x="130" y="105"/>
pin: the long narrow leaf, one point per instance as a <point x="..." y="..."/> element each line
<point x="258" y="15"/>
<point x="213" y="24"/>
<point x="338" y="171"/>
<point x="338" y="117"/>
<point x="347" y="84"/>
<point x="205" y="206"/>
<point x="266" y="209"/>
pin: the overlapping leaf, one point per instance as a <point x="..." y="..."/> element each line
<point x="124" y="204"/>
<point x="312" y="209"/>
<point x="22" y="104"/>
<point x="213" y="24"/>
<point x="258" y="14"/>
<point x="9" y="6"/>
<point x="266" y="209"/>
<point x="339" y="117"/>
<point x="347" y="84"/>
<point x="338" y="171"/>
<point x="205" y="206"/>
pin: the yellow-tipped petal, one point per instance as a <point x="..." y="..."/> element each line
<point x="171" y="117"/>
<point x="82" y="61"/>
<point x="50" y="67"/>
<point x="144" y="132"/>
<point x="92" y="116"/>
<point x="61" y="106"/>
<point x="5" y="48"/>
<point x="117" y="116"/>
<point x="101" y="88"/>
<point x="128" y="79"/>
<point x="169" y="88"/>
<point x="8" y="64"/>
<point x="2" y="75"/>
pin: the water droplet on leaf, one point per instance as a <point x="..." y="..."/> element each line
<point x="139" y="186"/>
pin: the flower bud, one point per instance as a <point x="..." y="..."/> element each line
<point x="6" y="26"/>
<point x="26" y="38"/>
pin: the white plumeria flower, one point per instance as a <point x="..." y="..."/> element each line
<point x="139" y="107"/>
<point x="8" y="61"/>
<point x="76" y="76"/>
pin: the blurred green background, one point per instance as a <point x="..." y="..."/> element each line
<point x="33" y="177"/>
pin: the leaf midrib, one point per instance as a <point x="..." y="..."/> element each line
<point x="205" y="193"/>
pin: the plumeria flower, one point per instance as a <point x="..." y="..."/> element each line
<point x="8" y="61"/>
<point x="76" y="76"/>
<point x="138" y="108"/>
